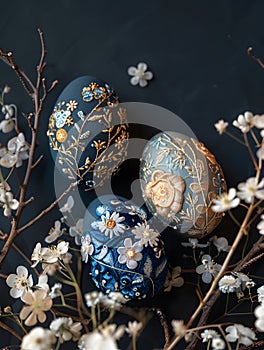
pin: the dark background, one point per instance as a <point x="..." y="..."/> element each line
<point x="197" y="51"/>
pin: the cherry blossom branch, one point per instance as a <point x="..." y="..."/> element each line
<point x="242" y="265"/>
<point x="34" y="92"/>
<point x="212" y="290"/>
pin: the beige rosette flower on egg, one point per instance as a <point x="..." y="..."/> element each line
<point x="165" y="190"/>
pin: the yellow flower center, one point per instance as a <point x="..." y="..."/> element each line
<point x="110" y="223"/>
<point x="147" y="234"/>
<point x="130" y="253"/>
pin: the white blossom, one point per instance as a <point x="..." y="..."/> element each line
<point x="93" y="298"/>
<point x="55" y="232"/>
<point x="258" y="121"/>
<point x="229" y="284"/>
<point x="67" y="207"/>
<point x="113" y="300"/>
<point x="221" y="243"/>
<point x="133" y="328"/>
<point x="36" y="304"/>
<point x="105" y="339"/>
<point x="246" y="282"/>
<point x="244" y="122"/>
<point x="218" y="344"/>
<point x="38" y="338"/>
<point x="20" y="282"/>
<point x="55" y="290"/>
<point x="77" y="231"/>
<point x="241" y="334"/>
<point x="7" y="125"/>
<point x="260" y="292"/>
<point x="87" y="248"/>
<point x="221" y="126"/>
<point x="52" y="254"/>
<point x="17" y="151"/>
<point x="208" y="269"/>
<point x="43" y="283"/>
<point x="260" y="225"/>
<point x="65" y="329"/>
<point x="209" y="334"/>
<point x="250" y="189"/>
<point x="140" y="75"/>
<point x="179" y="328"/>
<point x="259" y="313"/>
<point x="260" y="152"/>
<point x="7" y="202"/>
<point x="225" y="201"/>
<point x="173" y="279"/>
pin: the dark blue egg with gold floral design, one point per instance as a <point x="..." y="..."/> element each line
<point x="125" y="253"/>
<point x="87" y="132"/>
<point x="179" y="179"/>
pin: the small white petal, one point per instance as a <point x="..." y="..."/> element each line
<point x="134" y="80"/>
<point x="142" y="66"/>
<point x="132" y="71"/>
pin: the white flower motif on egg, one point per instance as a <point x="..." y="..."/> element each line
<point x="126" y="254"/>
<point x="166" y="192"/>
<point x="130" y="253"/>
<point x="180" y="178"/>
<point x="110" y="224"/>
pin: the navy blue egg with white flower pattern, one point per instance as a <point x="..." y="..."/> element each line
<point x="125" y="253"/>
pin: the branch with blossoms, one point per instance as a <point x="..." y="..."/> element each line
<point x="85" y="319"/>
<point x="55" y="310"/>
<point x="224" y="278"/>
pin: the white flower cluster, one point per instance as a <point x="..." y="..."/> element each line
<point x="111" y="224"/>
<point x="210" y="335"/>
<point x="259" y="310"/>
<point x="236" y="282"/>
<point x="51" y="256"/>
<point x="16" y="151"/>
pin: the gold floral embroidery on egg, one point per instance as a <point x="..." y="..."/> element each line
<point x="204" y="150"/>
<point x="166" y="192"/>
<point x="61" y="135"/>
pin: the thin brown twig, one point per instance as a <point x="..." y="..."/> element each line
<point x="38" y="104"/>
<point x="255" y="57"/>
<point x="165" y="326"/>
<point x="48" y="209"/>
<point x="242" y="265"/>
<point x="10" y="330"/>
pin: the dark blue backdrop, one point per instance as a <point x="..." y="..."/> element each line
<point x="197" y="51"/>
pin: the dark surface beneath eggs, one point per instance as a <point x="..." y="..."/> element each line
<point x="197" y="52"/>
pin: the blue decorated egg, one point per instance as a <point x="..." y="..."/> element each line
<point x="179" y="179"/>
<point x="87" y="131"/>
<point x="125" y="253"/>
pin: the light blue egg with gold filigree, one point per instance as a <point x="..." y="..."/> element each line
<point x="124" y="251"/>
<point x="87" y="132"/>
<point x="179" y="179"/>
